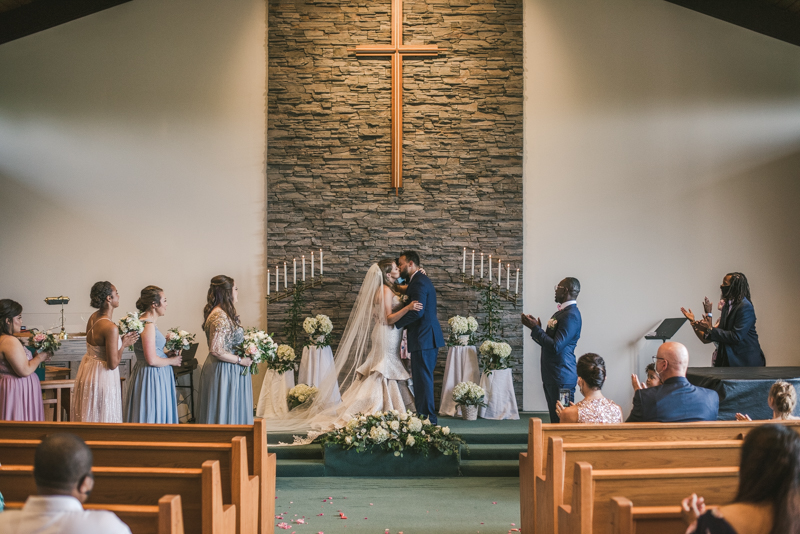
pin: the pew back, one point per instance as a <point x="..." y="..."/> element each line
<point x="629" y="519"/>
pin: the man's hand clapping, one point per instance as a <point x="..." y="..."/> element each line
<point x="530" y="321"/>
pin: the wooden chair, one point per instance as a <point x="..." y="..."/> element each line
<point x="56" y="396"/>
<point x="629" y="519"/>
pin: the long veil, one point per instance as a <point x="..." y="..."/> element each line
<point x="364" y="335"/>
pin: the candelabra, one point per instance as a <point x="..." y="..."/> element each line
<point x="294" y="288"/>
<point x="481" y="284"/>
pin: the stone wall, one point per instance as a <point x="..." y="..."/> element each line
<point x="328" y="166"/>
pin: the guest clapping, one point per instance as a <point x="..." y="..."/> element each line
<point x="151" y="393"/>
<point x="652" y="378"/>
<point x="768" y="498"/>
<point x="594" y="408"/>
<point x="20" y="391"/>
<point x="782" y="400"/>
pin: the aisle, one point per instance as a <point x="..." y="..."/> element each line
<point x="412" y="506"/>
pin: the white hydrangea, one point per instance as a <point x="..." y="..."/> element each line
<point x="378" y="434"/>
<point x="458" y="325"/>
<point x="286" y="353"/>
<point x="395" y="425"/>
<point x="468" y="393"/>
<point x="324" y="324"/>
<point x="472" y="324"/>
<point x="445" y="430"/>
<point x="414" y="424"/>
<point x="310" y="325"/>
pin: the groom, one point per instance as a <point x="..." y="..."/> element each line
<point x="424" y="332"/>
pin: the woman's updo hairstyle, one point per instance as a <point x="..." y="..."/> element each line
<point x="592" y="369"/>
<point x="99" y="293"/>
<point x="784" y="397"/>
<point x="220" y="294"/>
<point x="150" y="295"/>
<point x="8" y="310"/>
<point x="386" y="267"/>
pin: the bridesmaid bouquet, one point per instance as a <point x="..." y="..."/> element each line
<point x="299" y="394"/>
<point x="40" y="342"/>
<point x="178" y="340"/>
<point x="130" y="323"/>
<point x="495" y="356"/>
<point x="257" y="345"/>
<point x="319" y="330"/>
<point x="462" y="331"/>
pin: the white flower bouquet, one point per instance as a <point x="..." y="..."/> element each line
<point x="178" y="340"/>
<point x="469" y="394"/>
<point x="130" y="323"/>
<point x="299" y="394"/>
<point x="319" y="330"/>
<point x="495" y="356"/>
<point x="393" y="431"/>
<point x="462" y="331"/>
<point x="257" y="345"/>
<point x="40" y="342"/>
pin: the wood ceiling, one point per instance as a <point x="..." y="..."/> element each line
<point x="19" y="18"/>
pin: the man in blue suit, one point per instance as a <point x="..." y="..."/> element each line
<point x="675" y="400"/>
<point x="558" y="340"/>
<point x="424" y="332"/>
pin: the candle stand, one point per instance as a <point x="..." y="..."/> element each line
<point x="481" y="285"/>
<point x="289" y="292"/>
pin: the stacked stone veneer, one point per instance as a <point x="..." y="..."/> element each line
<point x="329" y="146"/>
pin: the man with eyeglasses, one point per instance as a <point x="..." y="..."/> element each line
<point x="675" y="400"/>
<point x="558" y="340"/>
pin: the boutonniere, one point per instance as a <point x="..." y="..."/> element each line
<point x="551" y="324"/>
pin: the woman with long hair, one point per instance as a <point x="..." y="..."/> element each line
<point x="97" y="396"/>
<point x="151" y="390"/>
<point x="20" y="391"/>
<point x="226" y="394"/>
<point x="768" y="498"/>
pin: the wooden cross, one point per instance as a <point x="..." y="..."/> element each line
<point x="396" y="51"/>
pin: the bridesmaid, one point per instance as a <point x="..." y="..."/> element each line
<point x="151" y="391"/>
<point x="20" y="391"/>
<point x="226" y="395"/>
<point x="97" y="397"/>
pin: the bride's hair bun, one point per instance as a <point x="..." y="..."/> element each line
<point x="784" y="397"/>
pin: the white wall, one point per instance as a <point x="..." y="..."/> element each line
<point x="132" y="146"/>
<point x="662" y="150"/>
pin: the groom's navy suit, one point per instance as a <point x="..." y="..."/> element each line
<point x="424" y="339"/>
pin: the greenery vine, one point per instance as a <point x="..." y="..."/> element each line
<point x="293" y="328"/>
<point x="490" y="306"/>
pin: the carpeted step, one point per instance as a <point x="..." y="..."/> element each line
<point x="489" y="468"/>
<point x="299" y="452"/>
<point x="300" y="468"/>
<point x="491" y="451"/>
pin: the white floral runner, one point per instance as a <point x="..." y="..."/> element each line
<point x="315" y="365"/>
<point x="461" y="366"/>
<point x="502" y="403"/>
<point x="272" y="402"/>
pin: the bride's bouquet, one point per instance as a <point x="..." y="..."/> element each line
<point x="178" y="340"/>
<point x="495" y="356"/>
<point x="462" y="331"/>
<point x="299" y="394"/>
<point x="40" y="342"/>
<point x="319" y="330"/>
<point x="258" y="346"/>
<point x="130" y="323"/>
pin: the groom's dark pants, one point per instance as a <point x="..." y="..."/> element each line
<point x="422" y="364"/>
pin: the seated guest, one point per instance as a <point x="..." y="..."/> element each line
<point x="62" y="468"/>
<point x="782" y="399"/>
<point x="594" y="408"/>
<point x="675" y="400"/>
<point x="736" y="336"/>
<point x="20" y="390"/>
<point x="768" y="498"/>
<point x="652" y="378"/>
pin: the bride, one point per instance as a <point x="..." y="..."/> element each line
<point x="367" y="363"/>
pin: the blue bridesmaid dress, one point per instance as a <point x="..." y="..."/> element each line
<point x="151" y="392"/>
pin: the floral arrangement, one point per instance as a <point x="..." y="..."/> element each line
<point x="130" y="323"/>
<point x="178" y="340"/>
<point x="469" y="394"/>
<point x="40" y="342"/>
<point x="459" y="327"/>
<point x="393" y="431"/>
<point x="319" y="330"/>
<point x="257" y="345"/>
<point x="299" y="394"/>
<point x="495" y="356"/>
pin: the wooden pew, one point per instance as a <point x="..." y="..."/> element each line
<point x="200" y="491"/>
<point x="238" y="487"/>
<point x="629" y="519"/>
<point x="166" y="518"/>
<point x="590" y="511"/>
<point x="555" y="487"/>
<point x="261" y="463"/>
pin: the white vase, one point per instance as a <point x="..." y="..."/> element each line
<point x="469" y="413"/>
<point x="463" y="340"/>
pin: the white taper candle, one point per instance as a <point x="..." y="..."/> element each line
<point x="508" y="276"/>
<point x="285" y="277"/>
<point x="304" y="267"/>
<point x="464" y="262"/>
<point x="269" y="274"/>
<point x="295" y="271"/>
<point x="473" y="264"/>
<point x="490" y="269"/>
<point x="312" y="264"/>
<point x="277" y="279"/>
<point x="320" y="262"/>
<point x="499" y="274"/>
<point x="516" y="290"/>
<point x="481" y="265"/>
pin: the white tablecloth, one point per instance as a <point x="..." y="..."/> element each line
<point x="461" y="366"/>
<point x="272" y="402"/>
<point x="502" y="403"/>
<point x="316" y="364"/>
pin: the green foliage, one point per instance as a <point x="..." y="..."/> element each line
<point x="293" y="330"/>
<point x="490" y="306"/>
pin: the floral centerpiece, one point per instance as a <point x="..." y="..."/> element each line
<point x="40" y="342"/>
<point x="470" y="396"/>
<point x="393" y="431"/>
<point x="299" y="394"/>
<point x="462" y="331"/>
<point x="257" y="345"/>
<point x="178" y="340"/>
<point x="130" y="323"/>
<point x="495" y="356"/>
<point x="319" y="330"/>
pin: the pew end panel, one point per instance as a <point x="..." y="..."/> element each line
<point x="170" y="515"/>
<point x="217" y="517"/>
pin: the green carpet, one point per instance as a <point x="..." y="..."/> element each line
<point x="411" y="506"/>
